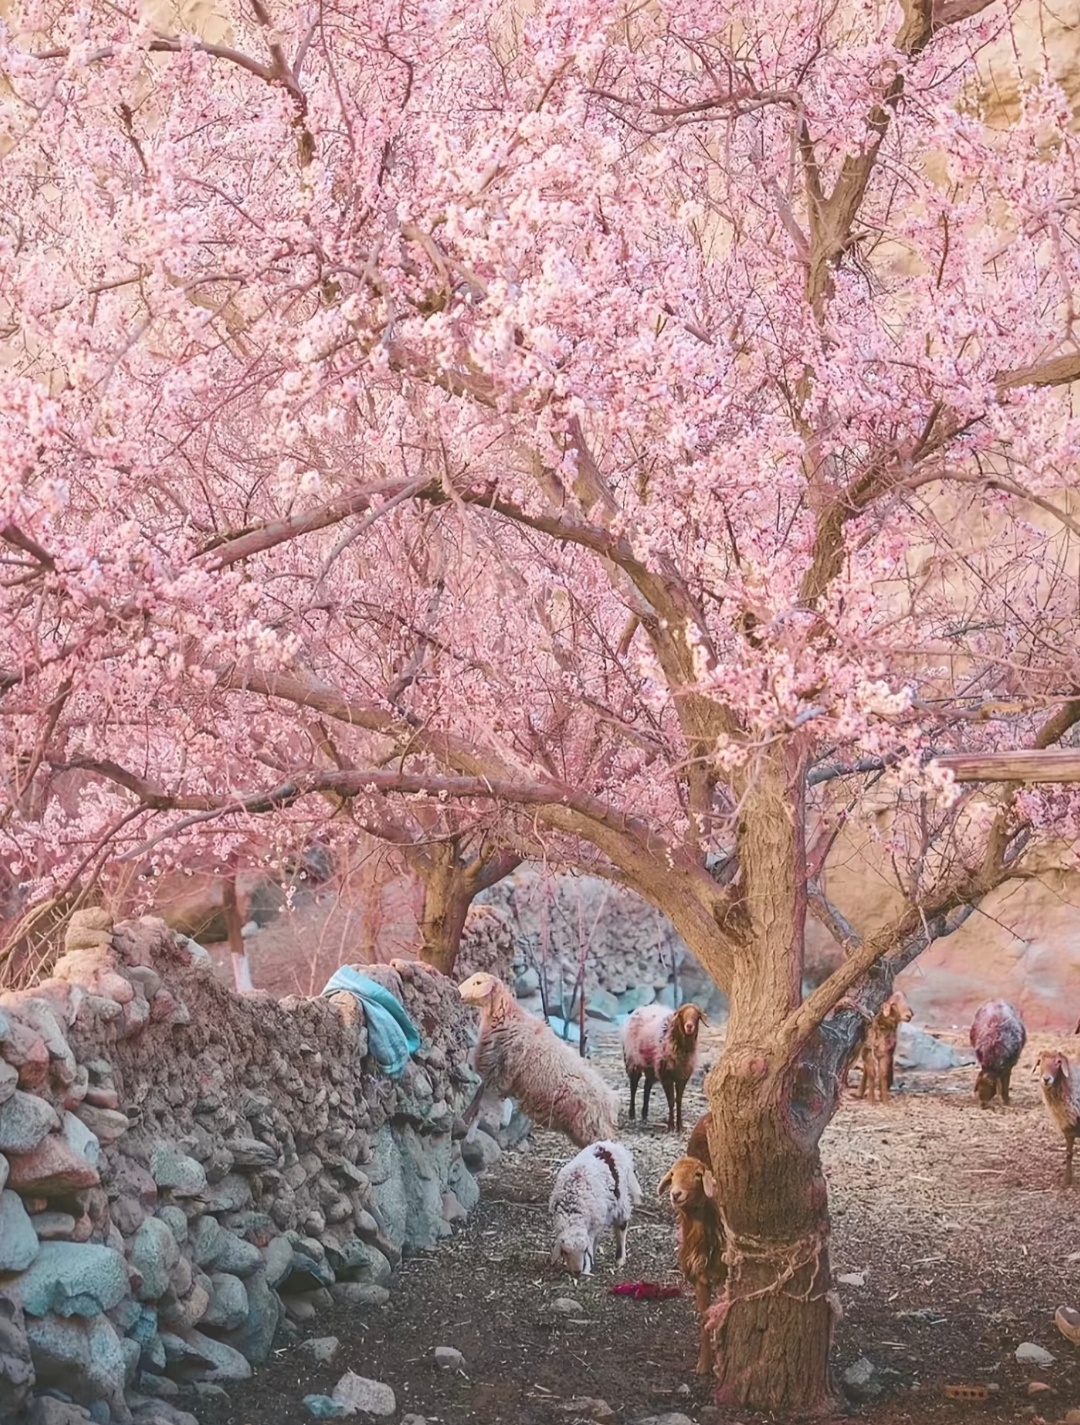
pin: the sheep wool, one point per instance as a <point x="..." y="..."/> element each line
<point x="595" y="1190"/>
<point x="522" y="1058"/>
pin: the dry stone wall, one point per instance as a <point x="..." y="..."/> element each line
<point x="182" y="1168"/>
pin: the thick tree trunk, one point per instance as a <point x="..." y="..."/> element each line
<point x="448" y="894"/>
<point x="772" y="1324"/>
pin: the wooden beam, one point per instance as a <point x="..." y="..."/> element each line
<point x="1057" y="765"/>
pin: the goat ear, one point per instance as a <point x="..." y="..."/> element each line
<point x="708" y="1182"/>
<point x="1065" y="1068"/>
<point x="703" y="1018"/>
<point x="1035" y="1067"/>
<point x="664" y="1184"/>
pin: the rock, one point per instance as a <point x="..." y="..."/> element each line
<point x="670" y="1417"/>
<point x="323" y="1408"/>
<point x="80" y="1139"/>
<point x="587" y="1407"/>
<point x="16" y="1367"/>
<point x="49" y="1226"/>
<point x="176" y="1171"/>
<point x="602" y="1004"/>
<point x="18" y="1240"/>
<point x="183" y="1315"/>
<point x="862" y="1380"/>
<point x="357" y="1261"/>
<point x="25" y="1120"/>
<point x="162" y="1412"/>
<point x="176" y="1220"/>
<point x="238" y="1257"/>
<point x="250" y="1153"/>
<point x="447" y="1358"/>
<point x="228" y="1309"/>
<point x="636" y="997"/>
<point x="307" y="1273"/>
<point x="214" y="1394"/>
<point x="527" y="983"/>
<point x="1072" y="1417"/>
<point x="370" y="1396"/>
<point x="106" y="1124"/>
<point x="480" y="1152"/>
<point x="323" y="1348"/>
<point x="52" y="1169"/>
<point x="72" y="1279"/>
<point x="852" y="1279"/>
<point x="9" y="1080"/>
<point x="255" y="1338"/>
<point x="154" y="1254"/>
<point x="1039" y="1387"/>
<point x="915" y="1049"/>
<point x="232" y="1193"/>
<point x="1029" y="1354"/>
<point x="85" y="1358"/>
<point x="414" y="1420"/>
<point x="226" y="1361"/>
<point x="360" y="1293"/>
<point x="46" y="1410"/>
<point x="278" y="1259"/>
<point x="452" y="1209"/>
<point x="566" y="1306"/>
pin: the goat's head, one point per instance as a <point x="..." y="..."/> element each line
<point x="1052" y="1065"/>
<point x="688" y="1183"/>
<point x="896" y="1009"/>
<point x="689" y="1018"/>
<point x="479" y="989"/>
<point x="985" y="1087"/>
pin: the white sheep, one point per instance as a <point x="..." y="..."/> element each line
<point x="518" y="1055"/>
<point x="597" y="1189"/>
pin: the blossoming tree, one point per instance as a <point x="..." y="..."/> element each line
<point x="643" y="426"/>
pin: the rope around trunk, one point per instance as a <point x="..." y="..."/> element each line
<point x="787" y="1260"/>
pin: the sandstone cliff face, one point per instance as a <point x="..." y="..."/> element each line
<point x="181" y="1166"/>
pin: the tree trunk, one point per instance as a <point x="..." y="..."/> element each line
<point x="237" y="947"/>
<point x="773" y="1321"/>
<point x="448" y="894"/>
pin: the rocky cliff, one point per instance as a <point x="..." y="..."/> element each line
<point x="182" y="1168"/>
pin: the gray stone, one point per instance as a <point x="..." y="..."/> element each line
<point x="231" y="1194"/>
<point x="278" y="1257"/>
<point x="323" y="1348"/>
<point x="586" y="1407"/>
<point x="250" y="1153"/>
<point x="1029" y="1354"/>
<point x="80" y="1139"/>
<point x="207" y="1238"/>
<point x="106" y="1124"/>
<point x="82" y="1357"/>
<point x="448" y="1358"/>
<point x="452" y="1209"/>
<point x="154" y="1253"/>
<point x="25" y="1121"/>
<point x="358" y="1262"/>
<point x="255" y="1338"/>
<point x="670" y="1417"/>
<point x="46" y="1410"/>
<point x="463" y="1185"/>
<point x="226" y="1361"/>
<point x="371" y="1396"/>
<point x="16" y="1367"/>
<point x="238" y="1257"/>
<point x="360" y="1293"/>
<point x="177" y="1222"/>
<point x="411" y="1419"/>
<point x="307" y="1273"/>
<point x="862" y="1381"/>
<point x="480" y="1151"/>
<point x="176" y="1171"/>
<point x="322" y="1407"/>
<point x="228" y="1309"/>
<point x="50" y="1227"/>
<point x="602" y="1004"/>
<point x="163" y="1412"/>
<point x="636" y="997"/>
<point x="72" y="1279"/>
<point x="18" y="1240"/>
<point x="9" y="1080"/>
<point x="915" y="1049"/>
<point x="527" y="983"/>
<point x="4" y="1170"/>
<point x="214" y="1394"/>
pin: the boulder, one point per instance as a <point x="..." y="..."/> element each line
<point x="154" y="1254"/>
<point x="174" y="1170"/>
<point x="51" y="1169"/>
<point x="85" y="1358"/>
<point x="72" y="1279"/>
<point x="228" y="1307"/>
<point x="602" y="1004"/>
<point x="16" y="1367"/>
<point x="25" y="1120"/>
<point x="18" y="1240"/>
<point x="255" y="1338"/>
<point x="373" y="1397"/>
<point x="916" y="1049"/>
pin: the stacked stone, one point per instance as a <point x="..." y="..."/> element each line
<point x="182" y="1168"/>
<point x="488" y="944"/>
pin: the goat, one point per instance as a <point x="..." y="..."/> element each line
<point x="662" y="1044"/>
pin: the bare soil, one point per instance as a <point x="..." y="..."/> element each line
<point x="954" y="1216"/>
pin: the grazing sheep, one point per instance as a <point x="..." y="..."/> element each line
<point x="692" y="1190"/>
<point x="597" y="1189"/>
<point x="997" y="1036"/>
<point x="879" y="1047"/>
<point x="662" y="1044"/>
<point x="1061" y="1095"/>
<point x="520" y="1056"/>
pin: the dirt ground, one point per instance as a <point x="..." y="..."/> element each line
<point x="954" y="1216"/>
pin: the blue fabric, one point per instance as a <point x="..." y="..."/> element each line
<point x="392" y="1036"/>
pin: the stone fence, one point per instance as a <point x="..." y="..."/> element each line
<point x="182" y="1169"/>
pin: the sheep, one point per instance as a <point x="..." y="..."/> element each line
<point x="1061" y="1095"/>
<point x="879" y="1047"/>
<point x="662" y="1044"/>
<point x="998" y="1037"/>
<point x="692" y="1190"/>
<point x="521" y="1056"/>
<point x="594" y="1190"/>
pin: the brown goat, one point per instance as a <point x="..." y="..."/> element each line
<point x="698" y="1144"/>
<point x="1061" y="1095"/>
<point x="878" y="1048"/>
<point x="692" y="1190"/>
<point x="662" y="1044"/>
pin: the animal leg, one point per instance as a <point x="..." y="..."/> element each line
<point x="702" y="1298"/>
<point x="679" y="1087"/>
<point x="1070" y="1144"/>
<point x="1003" y="1085"/>
<point x="635" y="1078"/>
<point x="864" y="1082"/>
<point x="620" y="1243"/>
<point x="646" y="1091"/>
<point x="669" y="1094"/>
<point x="883" y="1067"/>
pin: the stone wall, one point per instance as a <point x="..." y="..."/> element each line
<point x="184" y="1170"/>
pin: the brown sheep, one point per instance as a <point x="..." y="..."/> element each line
<point x="692" y="1190"/>
<point x="662" y="1044"/>
<point x="998" y="1037"/>
<point x="879" y="1047"/>
<point x="1061" y="1095"/>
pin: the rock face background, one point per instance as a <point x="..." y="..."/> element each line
<point x="184" y="1171"/>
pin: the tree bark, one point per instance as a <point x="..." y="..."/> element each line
<point x="450" y="885"/>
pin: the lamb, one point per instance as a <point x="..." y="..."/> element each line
<point x="597" y="1189"/>
<point x="523" y="1059"/>
<point x="1061" y="1095"/>
<point x="662" y="1044"/>
<point x="692" y="1190"/>
<point x="997" y="1036"/>
<point x="879" y="1047"/>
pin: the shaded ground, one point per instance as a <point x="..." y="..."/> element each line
<point x="954" y="1214"/>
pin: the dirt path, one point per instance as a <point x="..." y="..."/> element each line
<point x="953" y="1215"/>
